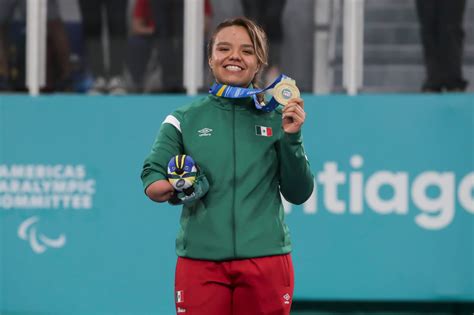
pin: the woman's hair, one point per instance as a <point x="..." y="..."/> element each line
<point x="257" y="36"/>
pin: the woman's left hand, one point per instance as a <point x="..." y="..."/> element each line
<point x="293" y="115"/>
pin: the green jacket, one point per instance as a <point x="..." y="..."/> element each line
<point x="242" y="215"/>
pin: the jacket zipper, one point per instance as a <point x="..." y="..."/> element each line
<point x="233" y="182"/>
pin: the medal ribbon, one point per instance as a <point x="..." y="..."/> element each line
<point x="228" y="91"/>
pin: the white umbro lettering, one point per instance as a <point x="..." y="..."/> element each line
<point x="287" y="298"/>
<point x="181" y="310"/>
<point x="205" y="132"/>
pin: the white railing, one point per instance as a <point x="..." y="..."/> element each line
<point x="36" y="12"/>
<point x="353" y="45"/>
<point x="326" y="20"/>
<point x="193" y="56"/>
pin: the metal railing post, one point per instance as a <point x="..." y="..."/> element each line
<point x="353" y="37"/>
<point x="193" y="45"/>
<point x="36" y="12"/>
<point x="322" y="15"/>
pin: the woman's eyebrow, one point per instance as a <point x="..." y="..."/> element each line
<point x="229" y="44"/>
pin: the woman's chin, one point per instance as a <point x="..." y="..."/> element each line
<point x="236" y="83"/>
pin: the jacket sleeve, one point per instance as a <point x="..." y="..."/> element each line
<point x="296" y="180"/>
<point x="168" y="143"/>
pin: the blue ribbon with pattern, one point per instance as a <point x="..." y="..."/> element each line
<point x="224" y="90"/>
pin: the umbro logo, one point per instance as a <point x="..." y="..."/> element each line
<point x="205" y="132"/>
<point x="287" y="298"/>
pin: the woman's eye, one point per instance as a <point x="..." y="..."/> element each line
<point x="248" y="52"/>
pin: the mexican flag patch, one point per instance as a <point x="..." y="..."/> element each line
<point x="263" y="131"/>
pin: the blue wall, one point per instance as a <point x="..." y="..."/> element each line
<point x="392" y="217"/>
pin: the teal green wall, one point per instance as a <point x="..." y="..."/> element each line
<point x="399" y="224"/>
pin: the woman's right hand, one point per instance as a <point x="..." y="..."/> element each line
<point x="160" y="191"/>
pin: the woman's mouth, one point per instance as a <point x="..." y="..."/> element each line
<point x="233" y="68"/>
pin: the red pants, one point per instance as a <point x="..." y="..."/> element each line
<point x="261" y="286"/>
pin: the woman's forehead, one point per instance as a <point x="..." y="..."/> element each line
<point x="233" y="33"/>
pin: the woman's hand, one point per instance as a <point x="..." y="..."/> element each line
<point x="160" y="191"/>
<point x="293" y="115"/>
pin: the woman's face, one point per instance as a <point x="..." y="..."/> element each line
<point x="233" y="60"/>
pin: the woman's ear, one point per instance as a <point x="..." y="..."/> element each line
<point x="209" y="63"/>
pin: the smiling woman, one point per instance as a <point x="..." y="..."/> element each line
<point x="233" y="245"/>
<point x="233" y="58"/>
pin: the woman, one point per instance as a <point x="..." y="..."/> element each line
<point x="233" y="244"/>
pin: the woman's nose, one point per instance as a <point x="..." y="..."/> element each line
<point x="235" y="55"/>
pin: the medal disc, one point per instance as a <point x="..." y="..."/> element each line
<point x="285" y="90"/>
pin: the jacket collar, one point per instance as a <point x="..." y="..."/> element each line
<point x="228" y="103"/>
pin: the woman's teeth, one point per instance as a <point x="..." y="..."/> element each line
<point x="233" y="68"/>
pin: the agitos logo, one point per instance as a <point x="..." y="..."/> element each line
<point x="38" y="241"/>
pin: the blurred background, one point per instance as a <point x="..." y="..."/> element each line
<point x="388" y="88"/>
<point x="119" y="46"/>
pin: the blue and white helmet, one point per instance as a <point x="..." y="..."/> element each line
<point x="182" y="172"/>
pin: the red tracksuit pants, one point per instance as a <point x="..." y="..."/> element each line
<point x="262" y="286"/>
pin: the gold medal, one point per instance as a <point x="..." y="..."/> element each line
<point x="285" y="90"/>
